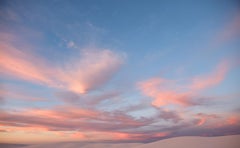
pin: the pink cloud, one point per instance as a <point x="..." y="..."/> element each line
<point x="17" y="63"/>
<point x="233" y="120"/>
<point x="201" y="121"/>
<point x="137" y="136"/>
<point x="230" y="32"/>
<point x="164" y="92"/>
<point x="212" y="79"/>
<point x="78" y="135"/>
<point x="82" y="119"/>
<point x="84" y="124"/>
<point x="161" y="90"/>
<point x="161" y="134"/>
<point x="170" y="92"/>
<point x="17" y="93"/>
<point x="91" y="69"/>
<point x="204" y="118"/>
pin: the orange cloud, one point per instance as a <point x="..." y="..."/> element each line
<point x="161" y="134"/>
<point x="138" y="136"/>
<point x="120" y="136"/>
<point x="92" y="67"/>
<point x="78" y="135"/>
<point x="233" y="120"/>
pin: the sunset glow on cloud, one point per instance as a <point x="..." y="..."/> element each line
<point x="82" y="71"/>
<point x="165" y="92"/>
<point x="77" y="76"/>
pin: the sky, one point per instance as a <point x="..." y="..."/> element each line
<point x="125" y="71"/>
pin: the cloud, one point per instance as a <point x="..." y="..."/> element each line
<point x="163" y="92"/>
<point x="233" y="120"/>
<point x="93" y="69"/>
<point x="11" y="92"/>
<point x="22" y="65"/>
<point x="230" y="32"/>
<point x="9" y="15"/>
<point x="77" y="119"/>
<point x="214" y="78"/>
<point x="78" y="135"/>
<point x="68" y="119"/>
<point x="87" y="100"/>
<point x="203" y="118"/>
<point x="166" y="92"/>
<point x="81" y="123"/>
<point x="139" y="136"/>
<point x="90" y="68"/>
<point x="208" y="131"/>
<point x="169" y="115"/>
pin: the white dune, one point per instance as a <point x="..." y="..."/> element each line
<point x="196" y="142"/>
<point x="80" y="145"/>
<point x="179" y="142"/>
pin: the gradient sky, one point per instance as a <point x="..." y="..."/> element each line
<point x="137" y="70"/>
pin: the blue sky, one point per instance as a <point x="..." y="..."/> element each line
<point x="152" y="66"/>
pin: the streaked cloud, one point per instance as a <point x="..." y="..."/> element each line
<point x="90" y="69"/>
<point x="212" y="79"/>
<point x="84" y="123"/>
<point x="93" y="69"/>
<point x="64" y="75"/>
<point x="230" y="32"/>
<point x="171" y="92"/>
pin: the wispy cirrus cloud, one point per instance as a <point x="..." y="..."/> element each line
<point x="93" y="69"/>
<point x="212" y="79"/>
<point x="6" y="93"/>
<point x="230" y="32"/>
<point x="90" y="69"/>
<point x="78" y="102"/>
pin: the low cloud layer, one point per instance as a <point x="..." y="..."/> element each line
<point x="82" y="122"/>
